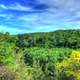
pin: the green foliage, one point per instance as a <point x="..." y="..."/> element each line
<point x="69" y="68"/>
<point x="47" y="59"/>
<point x="60" y="38"/>
<point x="12" y="66"/>
<point x="40" y="56"/>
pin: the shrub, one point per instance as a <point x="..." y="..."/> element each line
<point x="6" y="74"/>
<point x="69" y="68"/>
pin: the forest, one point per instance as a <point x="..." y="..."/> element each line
<point x="40" y="56"/>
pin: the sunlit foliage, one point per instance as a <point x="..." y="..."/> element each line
<point x="69" y="68"/>
<point x="40" y="56"/>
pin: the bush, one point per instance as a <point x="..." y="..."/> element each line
<point x="69" y="68"/>
<point x="6" y="74"/>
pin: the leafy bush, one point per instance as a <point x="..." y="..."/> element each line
<point x="47" y="59"/>
<point x="69" y="68"/>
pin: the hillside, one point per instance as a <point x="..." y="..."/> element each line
<point x="40" y="56"/>
<point x="59" y="38"/>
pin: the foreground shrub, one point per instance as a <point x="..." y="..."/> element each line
<point x="46" y="58"/>
<point x="69" y="68"/>
<point x="6" y="74"/>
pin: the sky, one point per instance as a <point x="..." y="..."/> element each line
<point x="27" y="16"/>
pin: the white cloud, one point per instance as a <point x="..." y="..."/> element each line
<point x="3" y="6"/>
<point x="15" y="6"/>
<point x="7" y="16"/>
<point x="62" y="7"/>
<point x="29" y="18"/>
<point x="18" y="6"/>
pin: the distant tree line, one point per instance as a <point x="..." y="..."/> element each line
<point x="59" y="38"/>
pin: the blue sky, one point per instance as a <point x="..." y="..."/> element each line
<point x="26" y="16"/>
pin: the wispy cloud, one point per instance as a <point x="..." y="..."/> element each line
<point x="6" y="16"/>
<point x="15" y="6"/>
<point x="3" y="6"/>
<point x="63" y="8"/>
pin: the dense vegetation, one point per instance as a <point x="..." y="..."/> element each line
<point x="60" y="38"/>
<point x="40" y="56"/>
